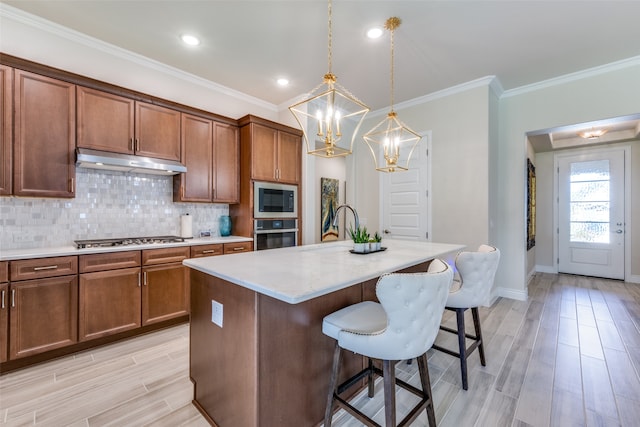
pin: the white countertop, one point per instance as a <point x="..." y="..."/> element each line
<point x="300" y="273"/>
<point x="16" y="254"/>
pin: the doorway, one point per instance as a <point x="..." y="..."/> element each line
<point x="590" y="220"/>
<point x="405" y="201"/>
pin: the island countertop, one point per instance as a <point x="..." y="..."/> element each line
<point x="300" y="273"/>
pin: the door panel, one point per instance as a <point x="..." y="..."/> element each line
<point x="405" y="198"/>
<point x="591" y="214"/>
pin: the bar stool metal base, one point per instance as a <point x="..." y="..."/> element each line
<point x="389" y="381"/>
<point x="465" y="351"/>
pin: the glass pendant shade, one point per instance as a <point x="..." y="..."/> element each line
<point x="329" y="116"/>
<point x="391" y="142"/>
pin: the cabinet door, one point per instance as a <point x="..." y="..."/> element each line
<point x="263" y="152"/>
<point x="110" y="302"/>
<point x="226" y="164"/>
<point x="157" y="131"/>
<point x="43" y="315"/>
<point x="196" y="185"/>
<point x="4" y="321"/>
<point x="45" y="136"/>
<point x="105" y="121"/>
<point x="6" y="126"/>
<point x="165" y="292"/>
<point x="289" y="158"/>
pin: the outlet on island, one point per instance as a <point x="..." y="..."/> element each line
<point x="216" y="313"/>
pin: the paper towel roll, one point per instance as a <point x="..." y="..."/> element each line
<point x="186" y="226"/>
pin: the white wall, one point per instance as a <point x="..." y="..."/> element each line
<point x="603" y="93"/>
<point x="460" y="165"/>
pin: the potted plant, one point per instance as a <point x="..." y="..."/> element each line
<point x="360" y="238"/>
<point x="377" y="242"/>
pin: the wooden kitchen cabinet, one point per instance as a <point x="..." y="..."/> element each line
<point x="233" y="248"/>
<point x="4" y="311"/>
<point x="105" y="121"/>
<point x="6" y="129"/>
<point x="207" y="250"/>
<point x="271" y="151"/>
<point x="211" y="153"/>
<point x="43" y="315"/>
<point x="110" y="297"/>
<point x="157" y="131"/>
<point x="44" y="136"/>
<point x="226" y="163"/>
<point x="165" y="284"/>
<point x="118" y="124"/>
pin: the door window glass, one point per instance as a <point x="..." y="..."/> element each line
<point x="589" y="201"/>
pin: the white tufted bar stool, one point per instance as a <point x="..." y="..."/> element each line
<point x="477" y="271"/>
<point x="402" y="326"/>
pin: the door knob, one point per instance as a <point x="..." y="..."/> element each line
<point x="386" y="231"/>
<point x="619" y="231"/>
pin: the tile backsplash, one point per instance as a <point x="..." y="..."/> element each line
<point x="107" y="204"/>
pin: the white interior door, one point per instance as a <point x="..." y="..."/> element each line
<point x="405" y="198"/>
<point x="591" y="223"/>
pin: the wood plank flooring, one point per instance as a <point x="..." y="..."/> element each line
<point x="569" y="356"/>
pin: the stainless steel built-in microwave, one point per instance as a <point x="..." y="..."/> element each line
<point x="272" y="200"/>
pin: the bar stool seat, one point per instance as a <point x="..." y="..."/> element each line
<point x="402" y="326"/>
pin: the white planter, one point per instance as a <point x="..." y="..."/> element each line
<point x="361" y="247"/>
<point x="375" y="246"/>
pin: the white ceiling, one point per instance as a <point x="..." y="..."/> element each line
<point x="247" y="45"/>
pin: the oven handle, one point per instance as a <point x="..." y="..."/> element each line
<point x="279" y="230"/>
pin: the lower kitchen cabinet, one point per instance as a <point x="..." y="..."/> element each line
<point x="43" y="315"/>
<point x="234" y="248"/>
<point x="165" y="292"/>
<point x="4" y="310"/>
<point x="110" y="302"/>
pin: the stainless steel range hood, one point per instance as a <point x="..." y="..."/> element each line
<point x="94" y="159"/>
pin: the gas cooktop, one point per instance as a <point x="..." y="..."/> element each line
<point x="126" y="241"/>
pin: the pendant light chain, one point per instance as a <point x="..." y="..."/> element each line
<point x="391" y="24"/>
<point x="330" y="37"/>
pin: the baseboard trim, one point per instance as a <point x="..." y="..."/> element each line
<point x="634" y="278"/>
<point x="520" y="295"/>
<point x="546" y="269"/>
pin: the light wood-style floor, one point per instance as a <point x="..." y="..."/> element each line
<point x="569" y="356"/>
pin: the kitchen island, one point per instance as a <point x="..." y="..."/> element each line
<point x="266" y="361"/>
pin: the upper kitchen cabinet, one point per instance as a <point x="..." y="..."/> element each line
<point x="6" y="126"/>
<point x="44" y="136"/>
<point x="211" y="153"/>
<point x="226" y="163"/>
<point x="270" y="150"/>
<point x="118" y="124"/>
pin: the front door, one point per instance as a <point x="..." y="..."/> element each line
<point x="591" y="214"/>
<point x="405" y="211"/>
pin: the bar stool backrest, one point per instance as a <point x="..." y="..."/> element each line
<point x="477" y="272"/>
<point x="414" y="304"/>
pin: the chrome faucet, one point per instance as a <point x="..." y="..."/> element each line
<point x="355" y="215"/>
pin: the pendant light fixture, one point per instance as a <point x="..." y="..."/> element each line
<point x="391" y="142"/>
<point x="330" y="115"/>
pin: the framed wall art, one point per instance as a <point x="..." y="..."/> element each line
<point x="328" y="204"/>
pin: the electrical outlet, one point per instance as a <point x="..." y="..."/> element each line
<point x="216" y="312"/>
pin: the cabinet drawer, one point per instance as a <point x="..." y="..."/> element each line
<point x="206" y="250"/>
<point x="110" y="261"/>
<point x="43" y="267"/>
<point x="163" y="256"/>
<point x="232" y="248"/>
<point x="4" y="271"/>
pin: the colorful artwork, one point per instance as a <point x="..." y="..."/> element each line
<point x="328" y="206"/>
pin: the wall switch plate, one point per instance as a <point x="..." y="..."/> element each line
<point x="216" y="312"/>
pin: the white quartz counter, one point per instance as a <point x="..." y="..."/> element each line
<point x="300" y="273"/>
<point x="16" y="254"/>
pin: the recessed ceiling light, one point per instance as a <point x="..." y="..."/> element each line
<point x="374" y="33"/>
<point x="190" y="40"/>
<point x="282" y="81"/>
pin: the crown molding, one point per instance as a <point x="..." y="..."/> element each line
<point x="17" y="15"/>
<point x="572" y="77"/>
<point x="490" y="81"/>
